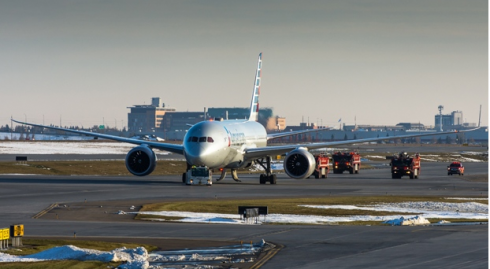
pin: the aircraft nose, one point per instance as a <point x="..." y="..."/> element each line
<point x="200" y="155"/>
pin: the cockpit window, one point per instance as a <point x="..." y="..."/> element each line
<point x="200" y="139"/>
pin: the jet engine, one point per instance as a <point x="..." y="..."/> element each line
<point x="141" y="161"/>
<point x="299" y="163"/>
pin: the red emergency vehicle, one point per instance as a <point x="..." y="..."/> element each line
<point x="346" y="161"/>
<point x="321" y="168"/>
<point x="455" y="168"/>
<point x="404" y="164"/>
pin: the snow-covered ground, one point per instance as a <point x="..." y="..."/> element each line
<point x="439" y="210"/>
<point x="139" y="258"/>
<point x="17" y="136"/>
<point x="134" y="258"/>
<point x="36" y="147"/>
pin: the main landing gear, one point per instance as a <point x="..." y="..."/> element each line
<point x="268" y="176"/>
<point x="234" y="175"/>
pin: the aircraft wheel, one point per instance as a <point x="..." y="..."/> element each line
<point x="273" y="179"/>
<point x="183" y="177"/>
<point x="262" y="179"/>
<point x="317" y="175"/>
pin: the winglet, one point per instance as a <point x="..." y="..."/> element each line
<point x="254" y="104"/>
<point x="479" y="117"/>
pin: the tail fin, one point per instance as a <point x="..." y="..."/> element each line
<point x="254" y="104"/>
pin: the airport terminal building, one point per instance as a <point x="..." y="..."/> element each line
<point x="171" y="124"/>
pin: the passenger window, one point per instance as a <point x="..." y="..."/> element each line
<point x="194" y="139"/>
<point x="210" y="139"/>
<point x="202" y="139"/>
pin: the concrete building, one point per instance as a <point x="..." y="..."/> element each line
<point x="411" y="126"/>
<point x="266" y="116"/>
<point x="179" y="121"/>
<point x="146" y="118"/>
<point x="449" y="121"/>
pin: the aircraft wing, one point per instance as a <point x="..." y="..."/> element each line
<point x="284" y="134"/>
<point x="254" y="153"/>
<point x="179" y="149"/>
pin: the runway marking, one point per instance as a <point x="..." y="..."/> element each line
<point x="269" y="233"/>
<point x="46" y="210"/>
<point x="267" y="256"/>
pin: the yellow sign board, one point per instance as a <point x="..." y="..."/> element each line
<point x="4" y="234"/>
<point x="17" y="230"/>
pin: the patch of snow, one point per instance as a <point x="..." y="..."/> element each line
<point x="460" y="198"/>
<point x="37" y="147"/>
<point x="469" y="210"/>
<point x="4" y="257"/>
<point x="376" y="157"/>
<point x="417" y="220"/>
<point x="134" y="258"/>
<point x="466" y="159"/>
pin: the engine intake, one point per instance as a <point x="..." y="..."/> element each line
<point x="299" y="164"/>
<point x="141" y="161"/>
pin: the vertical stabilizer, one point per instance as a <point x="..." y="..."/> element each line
<point x="254" y="104"/>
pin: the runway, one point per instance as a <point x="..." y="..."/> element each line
<point x="22" y="197"/>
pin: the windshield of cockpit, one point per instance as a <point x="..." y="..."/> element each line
<point x="201" y="139"/>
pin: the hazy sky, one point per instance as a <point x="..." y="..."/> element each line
<point x="380" y="62"/>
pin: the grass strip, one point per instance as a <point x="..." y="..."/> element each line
<point x="291" y="206"/>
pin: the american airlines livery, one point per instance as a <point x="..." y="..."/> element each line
<point x="230" y="144"/>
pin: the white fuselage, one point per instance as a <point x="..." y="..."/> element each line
<point x="221" y="144"/>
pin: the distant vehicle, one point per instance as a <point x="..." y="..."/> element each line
<point x="455" y="168"/>
<point x="348" y="161"/>
<point x="404" y="164"/>
<point x="322" y="166"/>
<point x="148" y="138"/>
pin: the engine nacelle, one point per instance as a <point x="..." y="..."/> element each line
<point x="299" y="163"/>
<point x="141" y="161"/>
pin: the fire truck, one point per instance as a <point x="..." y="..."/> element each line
<point x="346" y="161"/>
<point x="321" y="168"/>
<point x="404" y="164"/>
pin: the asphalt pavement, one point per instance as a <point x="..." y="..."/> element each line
<point x="305" y="246"/>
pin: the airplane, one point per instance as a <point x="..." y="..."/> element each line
<point x="232" y="144"/>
